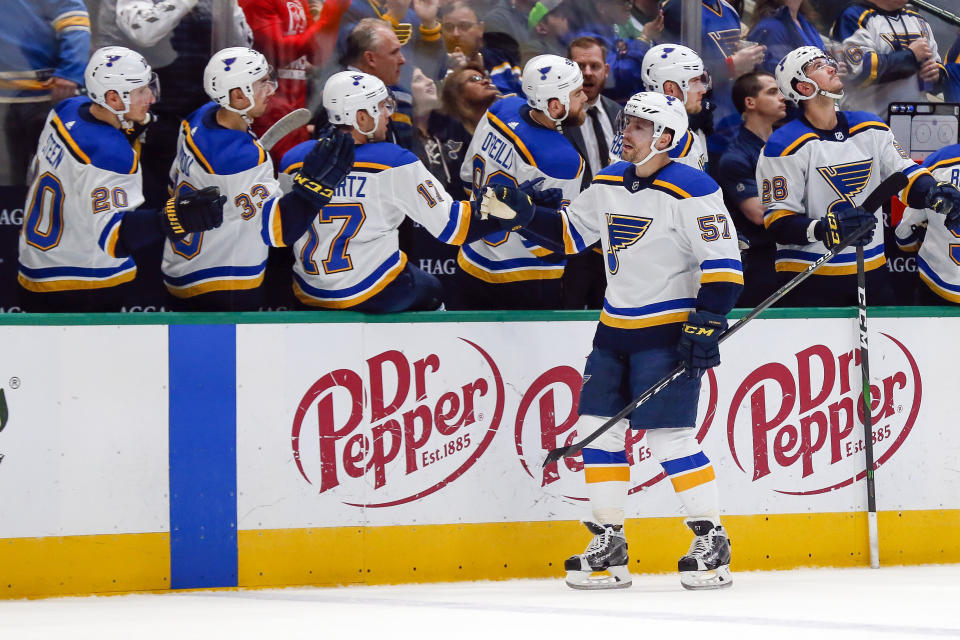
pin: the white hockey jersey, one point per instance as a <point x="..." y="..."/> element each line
<point x="938" y="260"/>
<point x="869" y="36"/>
<point x="508" y="148"/>
<point x="234" y="255"/>
<point x="691" y="150"/>
<point x="806" y="171"/>
<point x="351" y="250"/>
<point x="664" y="238"/>
<point x="88" y="176"/>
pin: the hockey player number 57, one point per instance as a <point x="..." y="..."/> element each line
<point x="351" y="217"/>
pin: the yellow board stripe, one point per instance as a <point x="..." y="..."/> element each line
<point x="736" y="278"/>
<point x="640" y="323"/>
<point x="796" y="143"/>
<point x="672" y="187"/>
<point x="193" y="147"/>
<point x="606" y="474"/>
<point x="507" y="131"/>
<point x="62" y="130"/>
<point x="695" y="479"/>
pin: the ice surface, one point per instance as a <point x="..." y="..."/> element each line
<point x="819" y="604"/>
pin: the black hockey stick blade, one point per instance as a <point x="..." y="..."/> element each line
<point x="883" y="192"/>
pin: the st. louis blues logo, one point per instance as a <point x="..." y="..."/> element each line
<point x="227" y="62"/>
<point x="847" y="180"/>
<point x="623" y="231"/>
<point x="727" y="40"/>
<point x="543" y="72"/>
<point x="667" y="51"/>
<point x="356" y="80"/>
<point x="898" y="41"/>
<point x="111" y="60"/>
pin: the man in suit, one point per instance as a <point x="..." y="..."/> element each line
<point x="583" y="279"/>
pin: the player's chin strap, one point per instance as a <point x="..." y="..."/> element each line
<point x="368" y="134"/>
<point x="824" y="92"/>
<point x="556" y="121"/>
<point x="653" y="146"/>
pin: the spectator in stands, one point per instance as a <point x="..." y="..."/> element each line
<point x="464" y="39"/>
<point x="175" y="37"/>
<point x="44" y="47"/>
<point x="725" y="60"/>
<point x="761" y="105"/>
<point x="892" y="54"/>
<point x="286" y="33"/>
<point x="550" y="24"/>
<point x="951" y="86"/>
<point x="508" y="19"/>
<point x="441" y="138"/>
<point x="584" y="278"/>
<point x="625" y="54"/>
<point x="373" y="48"/>
<point x="466" y="96"/>
<point x="645" y="23"/>
<point x="782" y="26"/>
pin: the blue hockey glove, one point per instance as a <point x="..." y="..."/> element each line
<point x="325" y="166"/>
<point x="699" y="346"/>
<point x="192" y="211"/>
<point x="945" y="199"/>
<point x="550" y="198"/>
<point x="510" y="207"/>
<point x="834" y="228"/>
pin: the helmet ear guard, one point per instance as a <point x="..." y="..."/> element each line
<point x="665" y="112"/>
<point x="548" y="77"/>
<point x="791" y="70"/>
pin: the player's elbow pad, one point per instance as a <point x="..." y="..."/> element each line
<point x="296" y="214"/>
<point x="897" y="65"/>
<point x="138" y="228"/>
<point x="791" y="230"/>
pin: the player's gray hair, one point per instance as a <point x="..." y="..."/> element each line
<point x="366" y="36"/>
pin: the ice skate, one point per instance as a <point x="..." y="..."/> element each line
<point x="606" y="552"/>
<point x="707" y="563"/>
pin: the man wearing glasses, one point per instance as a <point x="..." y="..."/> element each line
<point x="816" y="170"/>
<point x="465" y="41"/>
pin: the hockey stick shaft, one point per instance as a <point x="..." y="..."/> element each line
<point x="940" y="12"/>
<point x="283" y="127"/>
<point x="884" y="191"/>
<point x="867" y="418"/>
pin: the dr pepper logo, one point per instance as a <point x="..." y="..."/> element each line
<point x="400" y="427"/>
<point x="796" y="425"/>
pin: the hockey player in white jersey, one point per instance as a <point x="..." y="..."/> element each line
<point x="349" y="257"/>
<point x="223" y="269"/>
<point x="673" y="273"/>
<point x="827" y="162"/>
<point x="677" y="71"/>
<point x="517" y="141"/>
<point x="936" y="237"/>
<point x="82" y="222"/>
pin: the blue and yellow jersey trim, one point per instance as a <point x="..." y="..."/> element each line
<point x="99" y="145"/>
<point x="772" y="215"/>
<point x="938" y="285"/>
<point x="110" y="236"/>
<point x="351" y="296"/>
<point x="226" y="278"/>
<point x="843" y="264"/>
<point x="651" y="315"/>
<point x="455" y="233"/>
<point x="71" y="21"/>
<point x="670" y="188"/>
<point x="689" y="472"/>
<point x="943" y="164"/>
<point x="194" y="149"/>
<point x="518" y="144"/>
<point x="871" y="65"/>
<point x="860" y="127"/>
<point x="511" y="270"/>
<point x="794" y="146"/>
<point x="721" y="270"/>
<point x="682" y="150"/>
<point x="68" y="140"/>
<point x="573" y="242"/>
<point x="913" y="172"/>
<point x="605" y="466"/>
<point x="272" y="224"/>
<point x="50" y="279"/>
<point x="910" y="244"/>
<point x="605" y="179"/>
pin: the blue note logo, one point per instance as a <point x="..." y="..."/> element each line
<point x="111" y="60"/>
<point x="356" y="80"/>
<point x="227" y="63"/>
<point x="623" y="231"/>
<point x="847" y="181"/>
<point x="543" y="72"/>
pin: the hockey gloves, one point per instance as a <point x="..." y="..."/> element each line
<point x="699" y="346"/>
<point x="192" y="211"/>
<point x="836" y="227"/>
<point x="509" y="206"/>
<point x="325" y="166"/>
<point x="550" y="198"/>
<point x="945" y="199"/>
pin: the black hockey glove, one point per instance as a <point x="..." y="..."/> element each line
<point x="550" y="198"/>
<point x="945" y="199"/>
<point x="324" y="167"/>
<point x="699" y="346"/>
<point x="834" y="228"/>
<point x="193" y="211"/>
<point x="510" y="207"/>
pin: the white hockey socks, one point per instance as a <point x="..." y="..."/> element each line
<point x="606" y="470"/>
<point x="689" y="470"/>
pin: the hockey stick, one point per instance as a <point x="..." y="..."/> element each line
<point x="883" y="192"/>
<point x="867" y="418"/>
<point x="940" y="12"/>
<point x="284" y="126"/>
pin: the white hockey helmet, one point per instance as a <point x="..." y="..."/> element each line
<point x="118" y="69"/>
<point x="347" y="92"/>
<point x="665" y="112"/>
<point x="547" y="77"/>
<point x="670" y="63"/>
<point x="234" y="68"/>
<point x="790" y="71"/>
